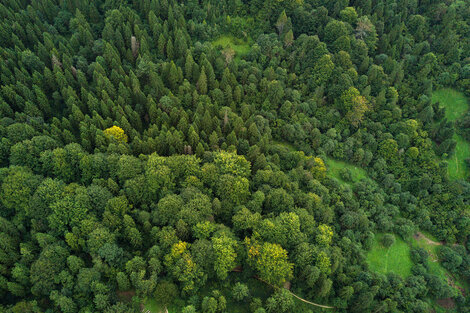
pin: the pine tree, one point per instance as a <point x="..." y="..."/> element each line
<point x="188" y="67"/>
<point x="170" y="54"/>
<point x="281" y="22"/>
<point x="173" y="76"/>
<point x="202" y="82"/>
<point x="161" y="45"/>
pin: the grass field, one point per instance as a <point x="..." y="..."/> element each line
<point x="456" y="105"/>
<point x="241" y="47"/>
<point x="396" y="259"/>
<point x="454" y="101"/>
<point x="334" y="167"/>
<point x="154" y="307"/>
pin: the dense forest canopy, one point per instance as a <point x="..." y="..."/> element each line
<point x="233" y="156"/>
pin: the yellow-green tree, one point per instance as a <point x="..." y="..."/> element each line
<point x="117" y="133"/>
<point x="231" y="163"/>
<point x="325" y="235"/>
<point x="270" y="260"/>
<point x="354" y="106"/>
<point x="180" y="264"/>
<point x="225" y="255"/>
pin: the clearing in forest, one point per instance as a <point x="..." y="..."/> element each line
<point x="240" y="46"/>
<point x="456" y="105"/>
<point x="152" y="306"/>
<point x="395" y="259"/>
<point x="339" y="169"/>
<point x="335" y="168"/>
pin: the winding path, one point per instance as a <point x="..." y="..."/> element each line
<point x="296" y="296"/>
<point x="420" y="235"/>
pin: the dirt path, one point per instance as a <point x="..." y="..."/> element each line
<point x="451" y="282"/>
<point x="296" y="296"/>
<point x="420" y="235"/>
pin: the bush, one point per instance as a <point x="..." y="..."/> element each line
<point x="166" y="292"/>
<point x="189" y="309"/>
<point x="256" y="304"/>
<point x="388" y="240"/>
<point x="345" y="174"/>
<point x="240" y="291"/>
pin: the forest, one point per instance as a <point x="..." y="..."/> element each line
<point x="219" y="156"/>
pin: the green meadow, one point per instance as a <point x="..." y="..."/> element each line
<point x="456" y="105"/>
<point x="395" y="259"/>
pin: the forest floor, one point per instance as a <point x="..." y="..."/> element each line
<point x="456" y="105"/>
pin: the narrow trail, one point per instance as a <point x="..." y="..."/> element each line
<point x="420" y="235"/>
<point x="296" y="296"/>
<point x="452" y="283"/>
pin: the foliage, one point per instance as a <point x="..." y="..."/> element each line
<point x="270" y="260"/>
<point x="168" y="152"/>
<point x="117" y="133"/>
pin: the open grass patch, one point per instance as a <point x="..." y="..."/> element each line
<point x="154" y="307"/>
<point x="457" y="168"/>
<point x="335" y="168"/>
<point x="454" y="101"/>
<point x="395" y="259"/>
<point x="241" y="47"/>
<point x="456" y="105"/>
<point x="286" y="145"/>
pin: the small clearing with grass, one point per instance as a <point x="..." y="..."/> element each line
<point x="240" y="46"/>
<point x="286" y="145"/>
<point x="152" y="306"/>
<point x="335" y="167"/>
<point x="395" y="259"/>
<point x="456" y="105"/>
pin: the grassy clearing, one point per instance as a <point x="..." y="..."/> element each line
<point x="335" y="166"/>
<point x="154" y="307"/>
<point x="454" y="101"/>
<point x="240" y="46"/>
<point x="456" y="105"/>
<point x="457" y="167"/>
<point x="395" y="259"/>
<point x="286" y="145"/>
